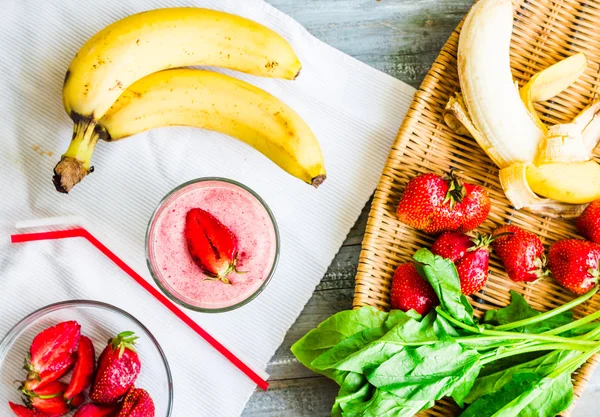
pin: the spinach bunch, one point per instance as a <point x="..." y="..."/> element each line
<point x="516" y="361"/>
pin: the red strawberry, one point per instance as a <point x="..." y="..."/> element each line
<point x="521" y="252"/>
<point x="48" y="399"/>
<point x="118" y="368"/>
<point x="473" y="269"/>
<point x="137" y="403"/>
<point x="452" y="245"/>
<point x="470" y="255"/>
<point x="211" y="244"/>
<point x="51" y="354"/>
<point x="411" y="291"/>
<point x="476" y="206"/>
<point x="21" y="411"/>
<point x="83" y="371"/>
<point x="76" y="401"/>
<point x="574" y="264"/>
<point x="428" y="204"/>
<point x="588" y="224"/>
<point x="93" y="410"/>
<point x="435" y="204"/>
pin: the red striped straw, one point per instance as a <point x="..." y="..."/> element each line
<point x="81" y="232"/>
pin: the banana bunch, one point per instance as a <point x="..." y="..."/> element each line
<point x="127" y="79"/>
<point x="548" y="170"/>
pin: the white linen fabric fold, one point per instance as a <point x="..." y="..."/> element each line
<point x="354" y="110"/>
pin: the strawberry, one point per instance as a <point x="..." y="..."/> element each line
<point x="436" y="204"/>
<point x="574" y="264"/>
<point x="475" y="205"/>
<point x="473" y="270"/>
<point x="76" y="401"/>
<point x="588" y="224"/>
<point x="93" y="410"/>
<point x="118" y="368"/>
<point x="83" y="371"/>
<point x="51" y="354"/>
<point x="521" y="253"/>
<point x="137" y="403"/>
<point x="21" y="411"/>
<point x="427" y="204"/>
<point x="411" y="291"/>
<point x="452" y="245"/>
<point x="212" y="246"/>
<point x="470" y="255"/>
<point x="48" y="399"/>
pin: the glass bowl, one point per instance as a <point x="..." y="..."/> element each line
<point x="170" y="201"/>
<point x="99" y="322"/>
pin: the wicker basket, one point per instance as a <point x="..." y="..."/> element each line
<point x="544" y="32"/>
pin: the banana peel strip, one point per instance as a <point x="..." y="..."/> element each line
<point x="457" y="118"/>
<point x="550" y="82"/>
<point x="589" y="118"/>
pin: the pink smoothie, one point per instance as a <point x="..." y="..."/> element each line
<point x="237" y="209"/>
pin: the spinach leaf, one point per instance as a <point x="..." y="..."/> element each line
<point x="525" y="395"/>
<point x="374" y="346"/>
<point x="505" y="363"/>
<point x="428" y="372"/>
<point x="413" y="331"/>
<point x="443" y="328"/>
<point x="441" y="274"/>
<point x="334" y="330"/>
<point x="489" y="404"/>
<point x="556" y="399"/>
<point x="354" y="388"/>
<point x="519" y="309"/>
<point x="340" y="352"/>
<point x="541" y="366"/>
<point x="545" y="398"/>
<point x="463" y="388"/>
<point x="396" y="317"/>
<point x="385" y="404"/>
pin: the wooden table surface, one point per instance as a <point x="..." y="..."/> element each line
<point x="401" y="38"/>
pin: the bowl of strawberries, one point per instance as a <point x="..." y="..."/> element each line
<point x="83" y="359"/>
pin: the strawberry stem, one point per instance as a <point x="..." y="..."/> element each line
<point x="540" y="270"/>
<point x="124" y="340"/>
<point x="481" y="241"/>
<point x="456" y="191"/>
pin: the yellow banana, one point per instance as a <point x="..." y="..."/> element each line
<point x="138" y="45"/>
<point x="141" y="44"/>
<point x="575" y="183"/>
<point x="191" y="97"/>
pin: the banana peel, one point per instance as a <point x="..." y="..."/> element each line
<point x="550" y="82"/>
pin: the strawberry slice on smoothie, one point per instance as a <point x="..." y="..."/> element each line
<point x="212" y="246"/>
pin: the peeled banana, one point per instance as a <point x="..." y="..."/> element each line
<point x="209" y="100"/>
<point x="535" y="160"/>
<point x="575" y="183"/>
<point x="138" y="45"/>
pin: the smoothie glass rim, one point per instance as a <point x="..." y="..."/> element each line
<point x="164" y="288"/>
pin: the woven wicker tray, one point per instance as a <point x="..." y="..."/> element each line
<point x="544" y="32"/>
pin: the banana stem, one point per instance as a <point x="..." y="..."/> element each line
<point x="83" y="143"/>
<point x="76" y="162"/>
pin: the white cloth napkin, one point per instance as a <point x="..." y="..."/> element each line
<point x="354" y="110"/>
